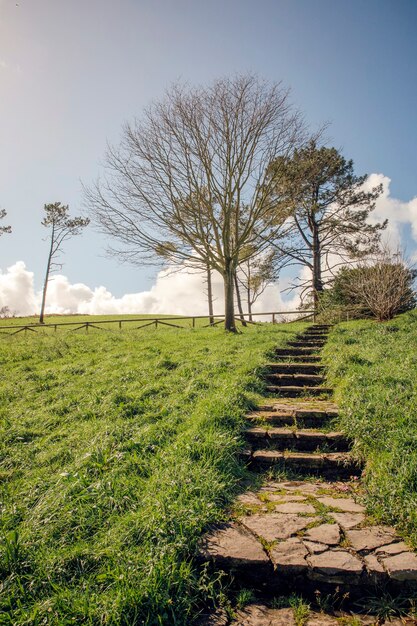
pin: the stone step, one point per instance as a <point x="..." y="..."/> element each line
<point x="293" y="391"/>
<point x="328" y="464"/>
<point x="296" y="380"/>
<point x="321" y="326"/>
<point x="260" y="614"/>
<point x="308" y="358"/>
<point x="313" y="336"/>
<point x="309" y="536"/>
<point x="300" y="439"/>
<point x="272" y="418"/>
<point x="295" y="368"/>
<point x="297" y="352"/>
<point x="317" y="331"/>
<point x="291" y="417"/>
<point x="303" y="414"/>
<point x="315" y="345"/>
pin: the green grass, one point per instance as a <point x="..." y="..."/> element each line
<point x="117" y="451"/>
<point x="373" y="367"/>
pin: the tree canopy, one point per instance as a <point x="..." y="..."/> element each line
<point x="329" y="210"/>
<point x="189" y="181"/>
<point x="4" y="229"/>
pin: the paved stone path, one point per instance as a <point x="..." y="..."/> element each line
<point x="308" y="534"/>
<point x="260" y="615"/>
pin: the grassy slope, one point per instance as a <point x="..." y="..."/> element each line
<point x="117" y="449"/>
<point x="76" y="320"/>
<point x="374" y="369"/>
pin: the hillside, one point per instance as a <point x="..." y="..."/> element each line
<point x="117" y="449"/>
<point x="373" y="368"/>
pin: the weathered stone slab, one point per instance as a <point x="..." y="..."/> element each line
<point x="256" y="432"/>
<point x="310" y="438"/>
<point x="256" y="615"/>
<point x="248" y="498"/>
<point x="267" y="457"/>
<point x="347" y="505"/>
<point x="375" y="571"/>
<point x="294" y="507"/>
<point x="276" y="497"/>
<point x="275" y="526"/>
<point x="315" y="548"/>
<point x="289" y="557"/>
<point x="285" y="435"/>
<point x="392" y="548"/>
<point x="371" y="537"/>
<point x="348" y="520"/>
<point x="335" y="566"/>
<point x="233" y="547"/>
<point x="319" y="619"/>
<point x="326" y="533"/>
<point x="402" y="566"/>
<point x="304" y="460"/>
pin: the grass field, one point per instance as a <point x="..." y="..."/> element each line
<point x="373" y="367"/>
<point x="117" y="450"/>
<point x="67" y="323"/>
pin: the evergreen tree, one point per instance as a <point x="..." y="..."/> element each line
<point x="329" y="209"/>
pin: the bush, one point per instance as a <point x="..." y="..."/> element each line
<point x="382" y="286"/>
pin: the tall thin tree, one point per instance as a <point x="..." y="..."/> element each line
<point x="62" y="227"/>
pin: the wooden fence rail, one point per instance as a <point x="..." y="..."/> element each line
<point x="271" y="316"/>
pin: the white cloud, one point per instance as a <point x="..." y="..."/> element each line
<point x="16" y="289"/>
<point x="174" y="292"/>
<point x="400" y="214"/>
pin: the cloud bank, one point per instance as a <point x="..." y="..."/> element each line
<point x="178" y="292"/>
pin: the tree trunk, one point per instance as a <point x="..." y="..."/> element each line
<point x="249" y="306"/>
<point x="45" y="285"/>
<point x="229" y="308"/>
<point x="210" y="296"/>
<point x="317" y="277"/>
<point x="239" y="300"/>
<point x="249" y="294"/>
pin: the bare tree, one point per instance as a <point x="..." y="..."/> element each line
<point x="329" y="206"/>
<point x="6" y="312"/>
<point x="4" y="229"/>
<point x="383" y="284"/>
<point x="62" y="228"/>
<point x="176" y="184"/>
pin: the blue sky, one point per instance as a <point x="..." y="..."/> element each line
<point x="71" y="72"/>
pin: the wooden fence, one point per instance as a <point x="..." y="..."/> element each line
<point x="273" y="317"/>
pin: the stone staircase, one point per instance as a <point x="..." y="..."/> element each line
<point x="305" y="531"/>
<point x="288" y="434"/>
